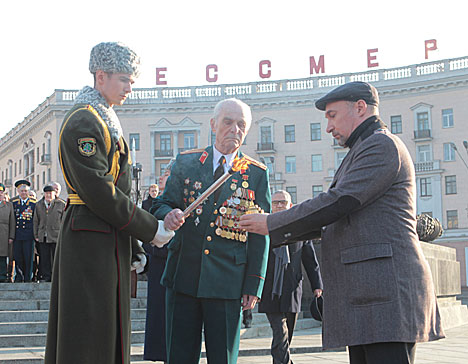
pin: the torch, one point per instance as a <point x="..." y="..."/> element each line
<point x="239" y="164"/>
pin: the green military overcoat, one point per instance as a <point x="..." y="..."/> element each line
<point x="89" y="319"/>
<point x="7" y="226"/>
<point x="201" y="262"/>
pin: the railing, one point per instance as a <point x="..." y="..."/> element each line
<point x="422" y="134"/>
<point x="427" y="166"/>
<point x="46" y="159"/>
<point x="276" y="176"/>
<point x="265" y="146"/>
<point x="164" y="153"/>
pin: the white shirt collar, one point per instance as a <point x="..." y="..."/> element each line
<point x="24" y="201"/>
<point x="229" y="159"/>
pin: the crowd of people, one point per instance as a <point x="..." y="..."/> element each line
<point x="209" y="263"/>
<point x="28" y="232"/>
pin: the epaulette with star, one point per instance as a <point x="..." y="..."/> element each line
<point x="255" y="162"/>
<point x="33" y="200"/>
<point x="199" y="150"/>
<point x="14" y="199"/>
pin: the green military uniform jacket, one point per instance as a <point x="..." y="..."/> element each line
<point x="206" y="258"/>
<point x="89" y="318"/>
<point x="46" y="222"/>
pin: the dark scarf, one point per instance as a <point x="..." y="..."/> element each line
<point x="366" y="129"/>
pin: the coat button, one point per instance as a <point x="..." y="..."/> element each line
<point x="206" y="252"/>
<point x="211" y="224"/>
<point x="208" y="238"/>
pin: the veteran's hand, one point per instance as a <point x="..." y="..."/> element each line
<point x="10" y="241"/>
<point x="254" y="223"/>
<point x="174" y="220"/>
<point x="248" y="302"/>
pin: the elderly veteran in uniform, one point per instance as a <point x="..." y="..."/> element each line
<point x="23" y="246"/>
<point x="46" y="222"/>
<point x="7" y="234"/>
<point x="89" y="319"/>
<point x="380" y="296"/>
<point x="213" y="268"/>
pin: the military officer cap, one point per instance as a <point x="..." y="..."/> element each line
<point x="2" y="187"/>
<point x="352" y="91"/>
<point x="114" y="57"/>
<point x="22" y="182"/>
<point x="48" y="188"/>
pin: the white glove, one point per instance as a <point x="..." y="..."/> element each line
<point x="162" y="236"/>
<point x="139" y="265"/>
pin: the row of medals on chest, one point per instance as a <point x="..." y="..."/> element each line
<point x="240" y="203"/>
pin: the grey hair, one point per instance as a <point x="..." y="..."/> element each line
<point x="219" y="106"/>
<point x="56" y="184"/>
<point x="286" y="193"/>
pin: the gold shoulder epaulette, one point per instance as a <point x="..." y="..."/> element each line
<point x="14" y="199"/>
<point x="33" y="200"/>
<point x="199" y="150"/>
<point x="255" y="162"/>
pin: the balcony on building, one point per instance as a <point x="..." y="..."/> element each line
<point x="45" y="160"/>
<point x="265" y="147"/>
<point x="7" y="182"/>
<point x="164" y="153"/>
<point x="423" y="135"/>
<point x="427" y="167"/>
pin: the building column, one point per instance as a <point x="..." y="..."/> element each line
<point x="152" y="147"/>
<point x="175" y="142"/>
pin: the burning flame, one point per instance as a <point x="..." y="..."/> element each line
<point x="240" y="164"/>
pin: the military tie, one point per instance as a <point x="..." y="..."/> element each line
<point x="218" y="173"/>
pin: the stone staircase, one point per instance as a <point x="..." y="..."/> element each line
<point x="24" y="313"/>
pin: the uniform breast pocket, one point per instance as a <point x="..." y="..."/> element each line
<point x="90" y="223"/>
<point x="369" y="274"/>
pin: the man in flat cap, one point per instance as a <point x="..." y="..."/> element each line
<point x="46" y="222"/>
<point x="23" y="246"/>
<point x="89" y="319"/>
<point x="380" y="295"/>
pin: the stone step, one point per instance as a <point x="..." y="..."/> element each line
<point x="40" y="327"/>
<point x="43" y="315"/>
<point x="31" y="305"/>
<point x="41" y="294"/>
<point x="138" y="334"/>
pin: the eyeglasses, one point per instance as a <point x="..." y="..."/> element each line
<point x="280" y="202"/>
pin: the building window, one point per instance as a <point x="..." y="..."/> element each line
<point x="425" y="187"/>
<point x="43" y="178"/>
<point x="265" y="135"/>
<point x="316" y="162"/>
<point x="315" y="132"/>
<point x="339" y="158"/>
<point x="162" y="168"/>
<point x="423" y="120"/>
<point x="165" y="142"/>
<point x="452" y="219"/>
<point x="134" y="138"/>
<point x="189" y="140"/>
<point x="449" y="152"/>
<point x="289" y="133"/>
<point x="15" y="169"/>
<point x="395" y="121"/>
<point x="37" y="155"/>
<point x="316" y="190"/>
<point x="447" y="118"/>
<point x="49" y="175"/>
<point x="424" y="153"/>
<point x="291" y="164"/>
<point x="37" y="181"/>
<point x="293" y="192"/>
<point x="450" y="185"/>
<point x="19" y="166"/>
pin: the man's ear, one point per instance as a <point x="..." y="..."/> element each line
<point x="361" y="107"/>
<point x="100" y="77"/>
<point x="212" y="124"/>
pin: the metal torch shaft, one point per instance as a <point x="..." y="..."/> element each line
<point x="217" y="184"/>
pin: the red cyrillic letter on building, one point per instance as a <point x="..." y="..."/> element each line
<point x="160" y="76"/>
<point x="430" y="45"/>
<point x="318" y="68"/>
<point x="214" y="77"/>
<point x="371" y="58"/>
<point x="260" y="69"/>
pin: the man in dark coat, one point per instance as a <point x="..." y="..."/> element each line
<point x="89" y="317"/>
<point x="282" y="293"/>
<point x="153" y="192"/>
<point x="380" y="294"/>
<point x="23" y="246"/>
<point x="46" y="222"/>
<point x="213" y="269"/>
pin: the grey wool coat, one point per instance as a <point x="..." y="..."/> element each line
<point x="47" y="222"/>
<point x="377" y="283"/>
<point x="7" y="226"/>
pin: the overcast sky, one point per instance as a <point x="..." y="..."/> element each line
<point x="46" y="44"/>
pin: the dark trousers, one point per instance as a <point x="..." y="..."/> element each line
<point x="382" y="353"/>
<point x="46" y="260"/>
<point x="185" y="317"/>
<point x="3" y="269"/>
<point x="23" y="253"/>
<point x="282" y="324"/>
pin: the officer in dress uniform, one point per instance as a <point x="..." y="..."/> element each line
<point x="23" y="246"/>
<point x="213" y="268"/>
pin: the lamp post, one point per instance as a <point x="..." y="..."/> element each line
<point x="465" y="144"/>
<point x="136" y="172"/>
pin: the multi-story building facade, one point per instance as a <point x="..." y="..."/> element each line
<point x="425" y="105"/>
